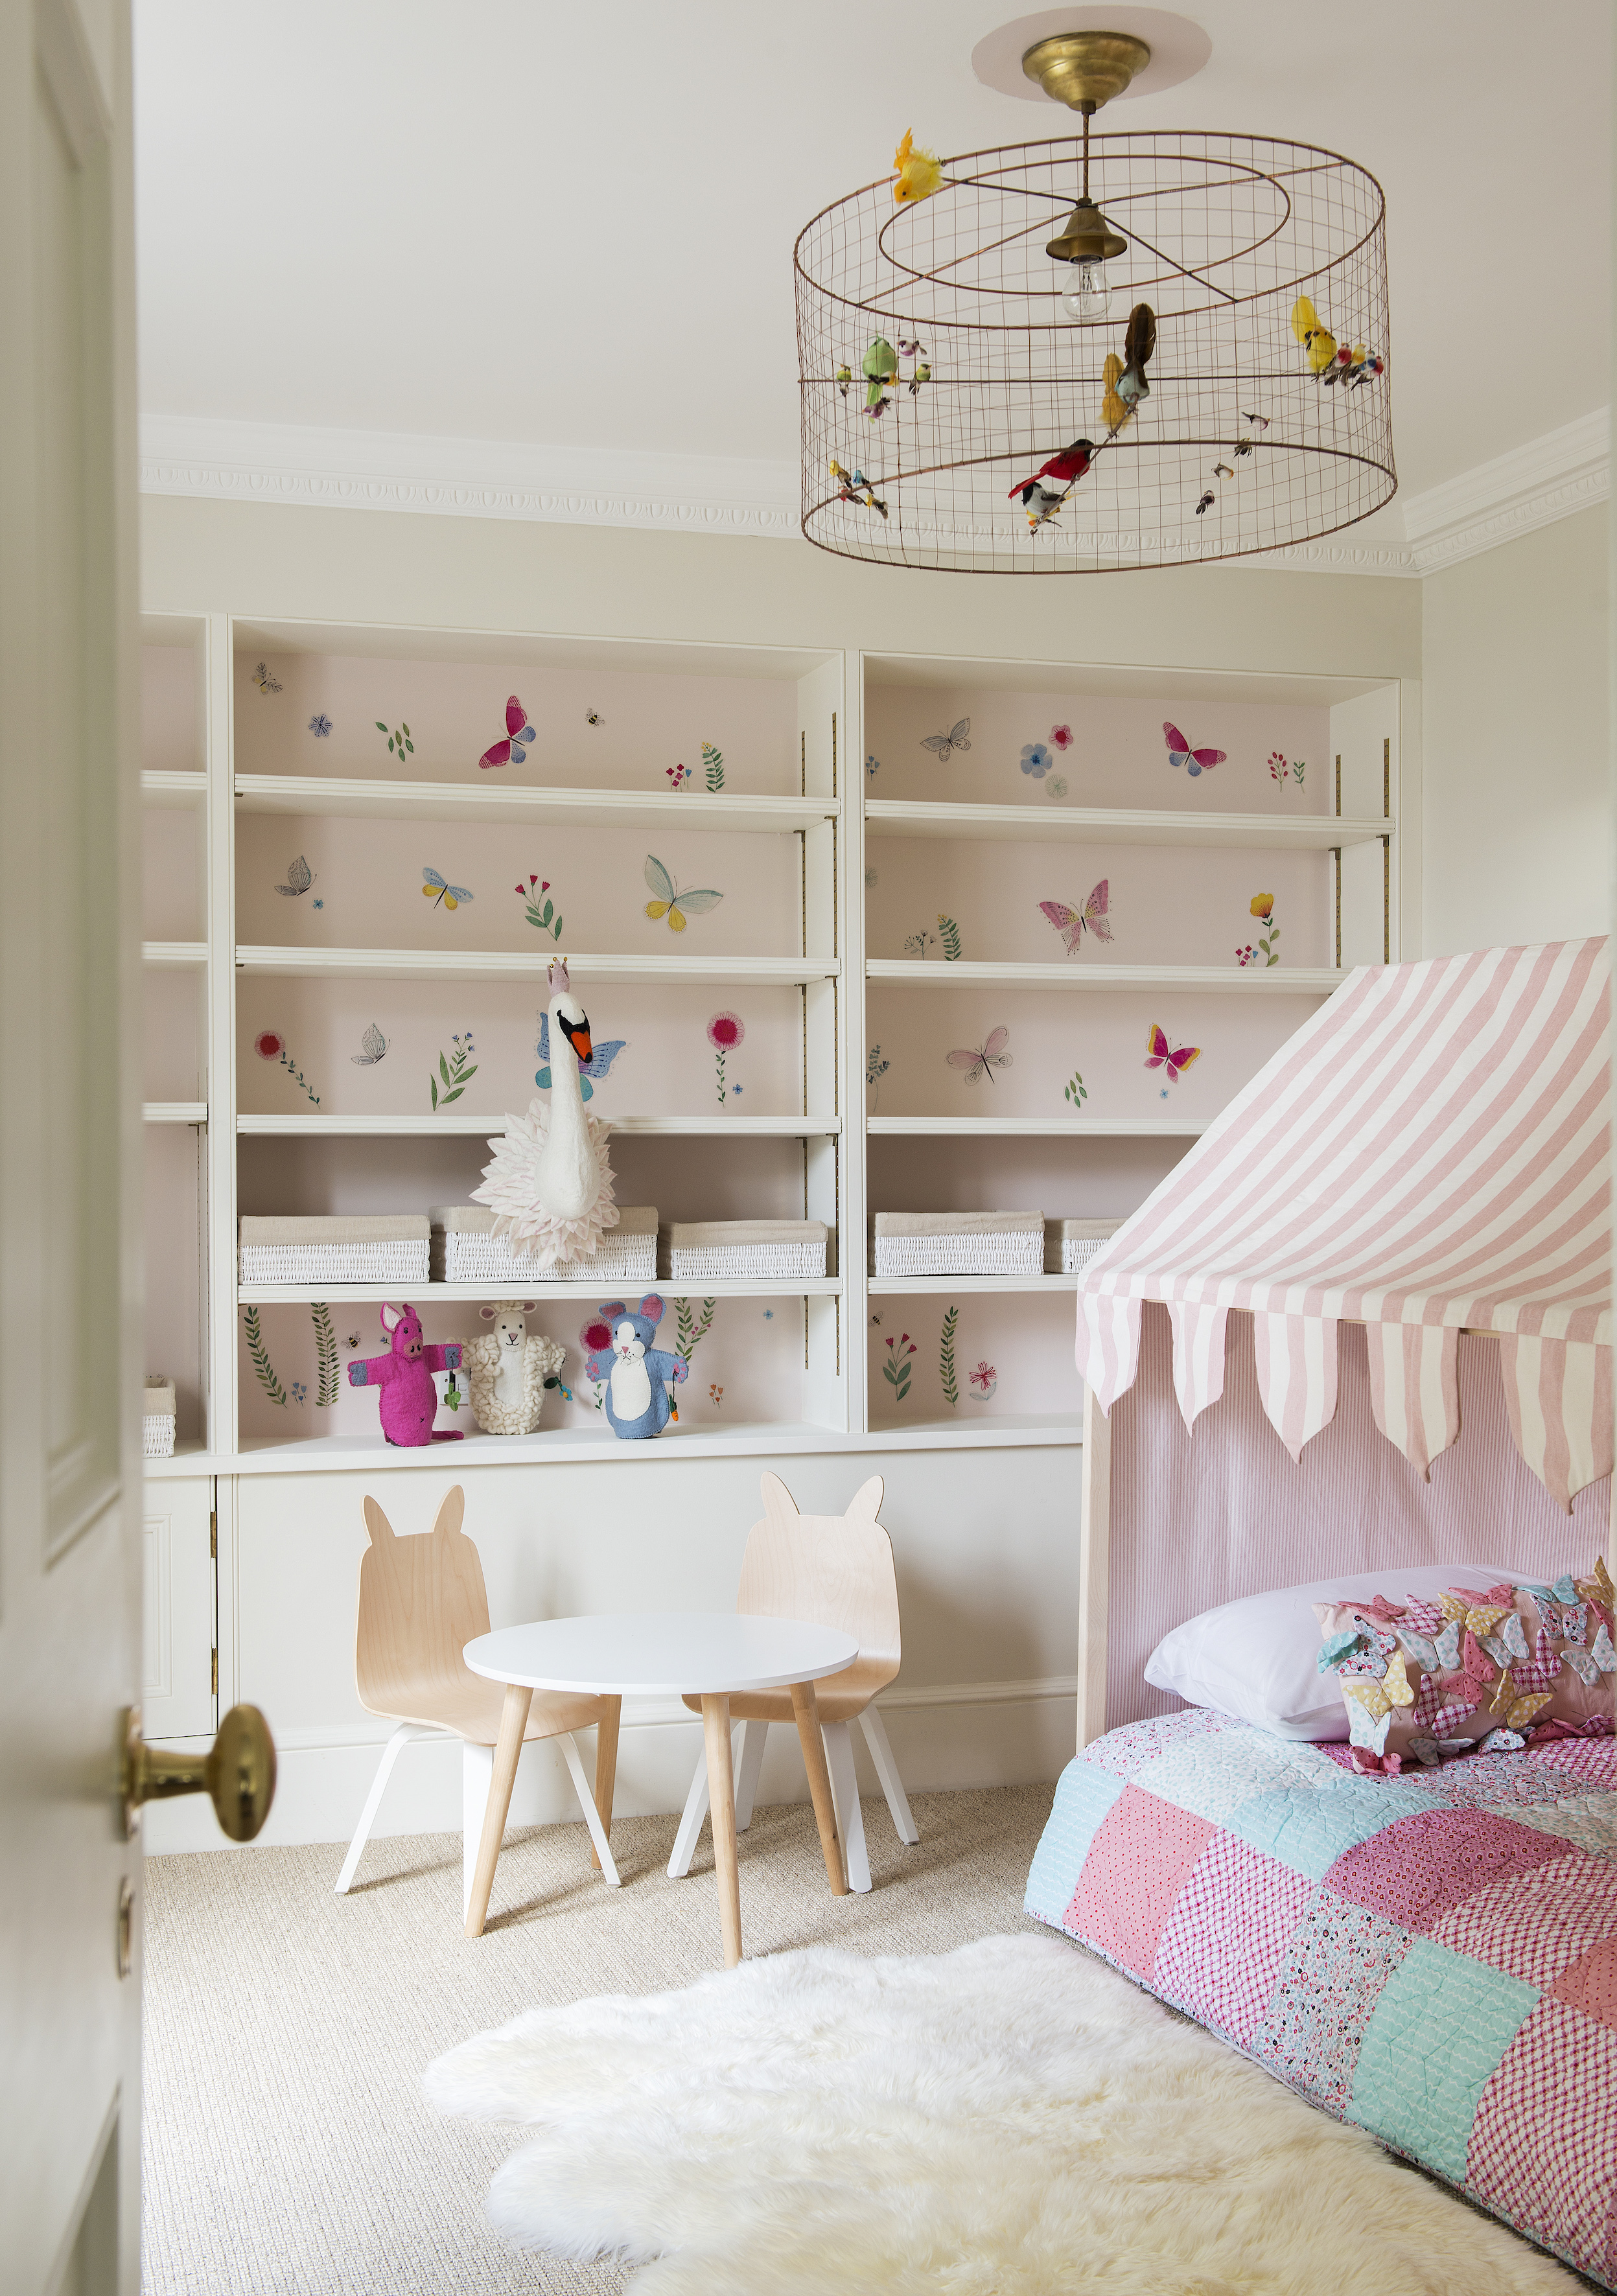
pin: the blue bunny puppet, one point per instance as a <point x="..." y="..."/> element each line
<point x="637" y="1375"/>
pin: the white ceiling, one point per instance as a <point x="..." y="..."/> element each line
<point x="572" y="226"/>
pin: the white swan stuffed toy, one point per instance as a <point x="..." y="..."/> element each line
<point x="550" y="1185"/>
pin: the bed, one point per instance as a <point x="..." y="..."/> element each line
<point x="1395" y="1241"/>
<point x="1432" y="1958"/>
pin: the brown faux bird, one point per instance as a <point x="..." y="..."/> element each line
<point x="1138" y="343"/>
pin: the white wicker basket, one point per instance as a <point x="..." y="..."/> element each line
<point x="388" y="1249"/>
<point x="1081" y="1240"/>
<point x="960" y="1244"/>
<point x="157" y="1419"/>
<point x="782" y="1251"/>
<point x="465" y="1250"/>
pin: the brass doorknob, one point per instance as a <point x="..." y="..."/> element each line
<point x="237" y="1773"/>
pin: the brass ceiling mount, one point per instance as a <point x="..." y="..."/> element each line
<point x="1087" y="238"/>
<point x="1086" y="70"/>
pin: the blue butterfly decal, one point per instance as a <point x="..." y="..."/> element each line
<point x="597" y="1065"/>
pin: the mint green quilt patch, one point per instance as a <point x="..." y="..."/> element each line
<point x="1432" y="2044"/>
<point x="1083" y="1795"/>
<point x="1308" y="1827"/>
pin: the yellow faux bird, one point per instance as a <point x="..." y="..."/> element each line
<point x="1114" y="414"/>
<point x="919" y="173"/>
<point x="1320" y="347"/>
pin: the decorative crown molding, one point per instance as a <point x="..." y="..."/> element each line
<point x="1546" y="478"/>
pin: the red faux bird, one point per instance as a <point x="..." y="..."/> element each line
<point x="1066" y="468"/>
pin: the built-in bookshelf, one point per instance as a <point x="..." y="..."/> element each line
<point x="881" y="913"/>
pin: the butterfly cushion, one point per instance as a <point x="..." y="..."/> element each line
<point x="1573" y="1622"/>
<point x="1432" y="1677"/>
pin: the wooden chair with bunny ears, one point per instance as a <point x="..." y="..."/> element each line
<point x="832" y="1570"/>
<point x="421" y="1600"/>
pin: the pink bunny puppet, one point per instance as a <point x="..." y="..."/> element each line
<point x="408" y="1401"/>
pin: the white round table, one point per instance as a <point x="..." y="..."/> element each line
<point x="672" y="1653"/>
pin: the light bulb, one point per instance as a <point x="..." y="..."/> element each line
<point x="1087" y="295"/>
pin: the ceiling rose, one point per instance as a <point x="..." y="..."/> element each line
<point x="1091" y="355"/>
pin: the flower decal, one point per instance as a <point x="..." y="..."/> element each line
<point x="1057" y="786"/>
<point x="1062" y="735"/>
<point x="596" y="1335"/>
<point x="1263" y="905"/>
<point x="269" y="1046"/>
<point x="725" y="1034"/>
<point x="1036" y="760"/>
<point x="984" y="1380"/>
<point x="320" y="725"/>
<point x="873" y="766"/>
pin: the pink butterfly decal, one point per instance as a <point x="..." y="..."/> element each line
<point x="990" y="1055"/>
<point x="1073" y="923"/>
<point x="511" y="752"/>
<point x="1160" y="1054"/>
<point x="1180" y="753"/>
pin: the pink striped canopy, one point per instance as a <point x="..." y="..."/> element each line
<point x="1431" y="1152"/>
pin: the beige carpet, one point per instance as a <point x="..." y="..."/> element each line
<point x="288" y="2152"/>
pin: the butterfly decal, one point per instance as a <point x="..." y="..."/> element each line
<point x="1160" y="1054"/>
<point x="1371" y="1705"/>
<point x="1508" y="1646"/>
<point x="373" y="1045"/>
<point x="990" y="1055"/>
<point x="597" y="1064"/>
<point x="1072" y="924"/>
<point x="670" y="902"/>
<point x="263" y="679"/>
<point x="1180" y="753"/>
<point x="1337" y="1647"/>
<point x="437" y="888"/>
<point x="299" y="877"/>
<point x="944" y="745"/>
<point x="1433" y="1751"/>
<point x="510" y="751"/>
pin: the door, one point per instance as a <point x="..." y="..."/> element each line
<point x="70" y="1537"/>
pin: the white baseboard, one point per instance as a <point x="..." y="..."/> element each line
<point x="958" y="1734"/>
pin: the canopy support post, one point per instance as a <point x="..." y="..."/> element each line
<point x="1094" y="1536"/>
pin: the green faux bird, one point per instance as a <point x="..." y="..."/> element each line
<point x="881" y="365"/>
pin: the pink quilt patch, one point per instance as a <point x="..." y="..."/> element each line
<point x="1536" y="1925"/>
<point x="1415" y="1869"/>
<point x="1142" y="1851"/>
<point x="1590" y="1983"/>
<point x="1592" y="1760"/>
<point x="1544" y="2143"/>
<point x="1223" y="1944"/>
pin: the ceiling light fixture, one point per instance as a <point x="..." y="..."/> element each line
<point x="1152" y="348"/>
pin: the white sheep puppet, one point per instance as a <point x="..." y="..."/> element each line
<point x="509" y="1370"/>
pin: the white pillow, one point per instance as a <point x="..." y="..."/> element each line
<point x="1259" y="1659"/>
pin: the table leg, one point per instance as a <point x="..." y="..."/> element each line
<point x="721" y="1799"/>
<point x="514" y="1721"/>
<point x="606" y="1770"/>
<point x="805" y="1706"/>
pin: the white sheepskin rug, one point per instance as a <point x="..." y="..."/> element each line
<point x="1006" y="2120"/>
<point x="512" y="1185"/>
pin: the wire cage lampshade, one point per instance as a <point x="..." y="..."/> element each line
<point x="942" y="364"/>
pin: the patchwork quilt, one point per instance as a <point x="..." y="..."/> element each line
<point x="1433" y="1956"/>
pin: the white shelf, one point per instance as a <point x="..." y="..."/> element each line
<point x="907" y="1287"/>
<point x="173" y="956"/>
<point x="175" y="1112"/>
<point x="458" y="1120"/>
<point x="713" y="1287"/>
<point x="497" y="965"/>
<point x="1223" y="981"/>
<point x="1036" y="1127"/>
<point x="1294" y="832"/>
<point x="173" y="790"/>
<point x="492" y="801"/>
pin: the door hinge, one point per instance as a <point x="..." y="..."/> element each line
<point x="213" y="1537"/>
<point x="214" y="1685"/>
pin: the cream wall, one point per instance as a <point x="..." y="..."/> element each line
<point x="1517" y="794"/>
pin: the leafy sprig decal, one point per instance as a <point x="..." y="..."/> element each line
<point x="897" y="1367"/>
<point x="1077" y="1090"/>
<point x="692" y="1330"/>
<point x="326" y="1356"/>
<point x="259" y="1353"/>
<point x="399" y="740"/>
<point x="946" y="1359"/>
<point x="454" y="1071"/>
<point x="713" y="765"/>
<point x="542" y="912"/>
<point x="948" y="932"/>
